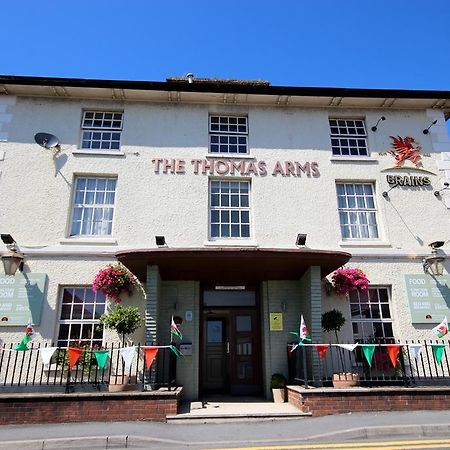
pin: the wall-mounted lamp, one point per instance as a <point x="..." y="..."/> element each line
<point x="375" y="127"/>
<point x="434" y="264"/>
<point x="426" y="131"/>
<point x="160" y="241"/>
<point x="438" y="193"/>
<point x="385" y="194"/>
<point x="301" y="240"/>
<point x="13" y="259"/>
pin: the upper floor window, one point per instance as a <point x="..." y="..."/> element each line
<point x="79" y="323"/>
<point x="348" y="137"/>
<point x="357" y="212"/>
<point x="228" y="134"/>
<point x="229" y="209"/>
<point x="93" y="206"/>
<point x="101" y="130"/>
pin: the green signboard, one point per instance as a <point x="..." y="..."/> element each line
<point x="429" y="297"/>
<point x="21" y="298"/>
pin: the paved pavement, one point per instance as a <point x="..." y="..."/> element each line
<point x="412" y="424"/>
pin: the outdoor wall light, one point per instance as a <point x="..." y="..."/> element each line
<point x="13" y="259"/>
<point x="375" y="127"/>
<point x="438" y="193"/>
<point x="434" y="264"/>
<point x="427" y="130"/>
<point x="160" y="241"/>
<point x="301" y="240"/>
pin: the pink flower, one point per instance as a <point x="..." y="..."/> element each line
<point x="114" y="280"/>
<point x="347" y="280"/>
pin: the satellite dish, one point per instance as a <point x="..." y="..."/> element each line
<point x="46" y="140"/>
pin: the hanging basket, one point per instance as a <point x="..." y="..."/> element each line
<point x="346" y="280"/>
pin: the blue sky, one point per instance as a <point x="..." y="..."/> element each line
<point x="346" y="43"/>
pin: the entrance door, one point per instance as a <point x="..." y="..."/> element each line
<point x="231" y="351"/>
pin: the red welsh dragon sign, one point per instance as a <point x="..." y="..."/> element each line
<point x="405" y="149"/>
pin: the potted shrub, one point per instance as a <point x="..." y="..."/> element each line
<point x="125" y="320"/>
<point x="334" y="320"/>
<point x="278" y="385"/>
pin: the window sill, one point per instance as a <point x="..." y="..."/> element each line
<point x="230" y="243"/>
<point x="82" y="240"/>
<point x="366" y="159"/>
<point x="366" y="243"/>
<point x="98" y="153"/>
<point x="229" y="156"/>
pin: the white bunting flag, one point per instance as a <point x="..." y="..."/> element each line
<point x="415" y="350"/>
<point x="349" y="347"/>
<point x="46" y="354"/>
<point x="127" y="354"/>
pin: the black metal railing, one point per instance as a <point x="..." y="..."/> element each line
<point x="22" y="370"/>
<point x="307" y="368"/>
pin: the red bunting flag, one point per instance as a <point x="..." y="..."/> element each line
<point x="393" y="351"/>
<point x="74" y="355"/>
<point x="150" y="354"/>
<point x="322" y="349"/>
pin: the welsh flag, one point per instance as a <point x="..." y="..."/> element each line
<point x="29" y="335"/>
<point x="442" y="329"/>
<point x="175" y="330"/>
<point x="303" y="334"/>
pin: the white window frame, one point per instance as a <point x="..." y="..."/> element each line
<point x="374" y="304"/>
<point x="82" y="209"/>
<point x="225" y="134"/>
<point x="347" y="135"/>
<point x="358" y="206"/>
<point x="100" y="129"/>
<point x="88" y="322"/>
<point x="222" y="210"/>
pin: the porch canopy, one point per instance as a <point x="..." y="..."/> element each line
<point x="231" y="264"/>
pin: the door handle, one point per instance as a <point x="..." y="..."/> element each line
<point x="228" y="347"/>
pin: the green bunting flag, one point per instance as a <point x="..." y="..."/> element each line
<point x="102" y="357"/>
<point x="178" y="354"/>
<point x="22" y="346"/>
<point x="368" y="350"/>
<point x="438" y="351"/>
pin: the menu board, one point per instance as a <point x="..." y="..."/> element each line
<point x="21" y="298"/>
<point x="428" y="297"/>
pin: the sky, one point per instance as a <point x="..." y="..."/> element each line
<point x="337" y="43"/>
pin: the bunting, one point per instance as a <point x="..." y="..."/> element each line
<point x="438" y="351"/>
<point x="393" y="351"/>
<point x="150" y="355"/>
<point x="46" y="354"/>
<point x="102" y="358"/>
<point x="415" y="350"/>
<point x="74" y="355"/>
<point x="322" y="349"/>
<point x="178" y="354"/>
<point x="368" y="350"/>
<point x="349" y="347"/>
<point x="127" y="354"/>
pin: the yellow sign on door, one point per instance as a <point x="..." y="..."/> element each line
<point x="276" y="321"/>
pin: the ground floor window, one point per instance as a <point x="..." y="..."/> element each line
<point x="81" y="309"/>
<point x="371" y="314"/>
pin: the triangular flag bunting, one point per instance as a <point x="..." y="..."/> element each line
<point x="322" y="349"/>
<point x="22" y="346"/>
<point x="349" y="347"/>
<point x="175" y="330"/>
<point x="368" y="350"/>
<point x="74" y="355"/>
<point x="102" y="357"/>
<point x="127" y="354"/>
<point x="438" y="351"/>
<point x="415" y="350"/>
<point x="442" y="329"/>
<point x="150" y="354"/>
<point x="178" y="354"/>
<point x="46" y="354"/>
<point x="393" y="351"/>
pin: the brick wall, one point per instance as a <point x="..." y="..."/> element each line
<point x="321" y="402"/>
<point x="99" y="407"/>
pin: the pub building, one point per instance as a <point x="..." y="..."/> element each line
<point x="233" y="202"/>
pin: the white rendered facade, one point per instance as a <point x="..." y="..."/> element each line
<point x="160" y="189"/>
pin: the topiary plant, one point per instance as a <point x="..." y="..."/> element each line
<point x="334" y="320"/>
<point x="125" y="320"/>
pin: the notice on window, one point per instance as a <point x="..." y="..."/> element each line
<point x="276" y="321"/>
<point x="21" y="298"/>
<point x="428" y="297"/>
